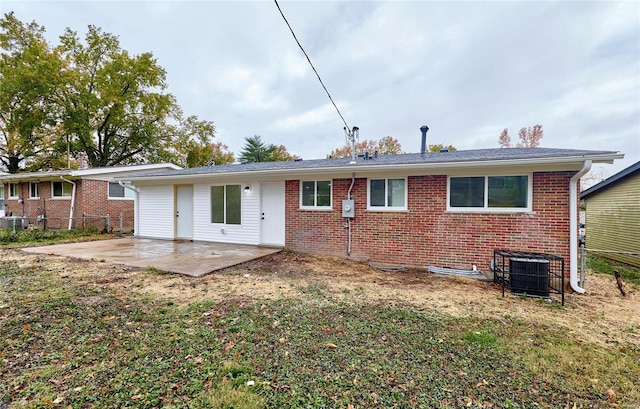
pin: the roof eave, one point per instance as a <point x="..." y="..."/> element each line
<point x="425" y="166"/>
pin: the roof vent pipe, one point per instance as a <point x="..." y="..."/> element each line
<point x="424" y="129"/>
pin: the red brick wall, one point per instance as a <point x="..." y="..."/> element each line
<point x="427" y="234"/>
<point x="91" y="199"/>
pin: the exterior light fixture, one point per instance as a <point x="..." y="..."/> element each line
<point x="247" y="189"/>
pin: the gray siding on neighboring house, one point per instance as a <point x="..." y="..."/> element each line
<point x="613" y="220"/>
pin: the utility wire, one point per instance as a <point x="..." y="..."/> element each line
<point x="310" y="63"/>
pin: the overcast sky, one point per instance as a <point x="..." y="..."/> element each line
<point x="466" y="69"/>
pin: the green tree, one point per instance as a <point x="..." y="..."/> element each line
<point x="221" y="154"/>
<point x="114" y="107"/>
<point x="255" y="150"/>
<point x="438" y="147"/>
<point x="29" y="75"/>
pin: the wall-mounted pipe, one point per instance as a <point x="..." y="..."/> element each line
<point x="73" y="201"/>
<point x="353" y="181"/>
<point x="136" y="204"/>
<point x="573" y="227"/>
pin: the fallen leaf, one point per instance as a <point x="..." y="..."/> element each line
<point x="59" y="399"/>
<point x="331" y="345"/>
<point x="136" y="397"/>
<point x="228" y="346"/>
<point x="54" y="382"/>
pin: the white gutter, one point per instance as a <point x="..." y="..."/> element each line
<point x="573" y="227"/>
<point x="365" y="167"/>
<point x="73" y="201"/>
<point x="136" y="202"/>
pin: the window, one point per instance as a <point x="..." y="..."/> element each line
<point x="226" y="204"/>
<point x="493" y="193"/>
<point x="14" y="192"/>
<point x="315" y="194"/>
<point x="61" y="189"/>
<point x="34" y="191"/>
<point x="119" y="192"/>
<point x="2" y="199"/>
<point x="387" y="194"/>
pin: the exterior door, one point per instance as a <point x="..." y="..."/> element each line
<point x="272" y="214"/>
<point x="184" y="212"/>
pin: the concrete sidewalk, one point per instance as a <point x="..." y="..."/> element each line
<point x="183" y="257"/>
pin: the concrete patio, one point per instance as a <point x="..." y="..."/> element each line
<point x="194" y="259"/>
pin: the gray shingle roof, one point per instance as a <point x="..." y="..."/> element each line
<point x="408" y="159"/>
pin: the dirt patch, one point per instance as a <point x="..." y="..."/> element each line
<point x="601" y="316"/>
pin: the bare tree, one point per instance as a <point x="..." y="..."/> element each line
<point x="529" y="137"/>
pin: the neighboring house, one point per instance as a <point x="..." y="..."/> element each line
<point x="61" y="194"/>
<point x="613" y="216"/>
<point x="447" y="209"/>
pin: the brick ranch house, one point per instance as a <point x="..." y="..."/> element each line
<point x="63" y="194"/>
<point x="447" y="209"/>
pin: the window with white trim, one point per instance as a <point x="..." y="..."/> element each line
<point x="315" y="194"/>
<point x="1" y="198"/>
<point x="120" y="192"/>
<point x="387" y="194"/>
<point x="34" y="190"/>
<point x="61" y="189"/>
<point x="226" y="204"/>
<point x="14" y="191"/>
<point x="489" y="193"/>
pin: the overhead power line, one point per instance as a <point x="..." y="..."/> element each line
<point x="311" y="64"/>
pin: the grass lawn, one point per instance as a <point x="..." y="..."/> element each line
<point x="68" y="344"/>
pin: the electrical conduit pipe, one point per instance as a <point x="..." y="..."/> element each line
<point x="573" y="227"/>
<point x="353" y="180"/>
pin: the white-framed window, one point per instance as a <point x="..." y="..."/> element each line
<point x="14" y="191"/>
<point x="34" y="190"/>
<point x="119" y="192"/>
<point x="387" y="194"/>
<point x="226" y="204"/>
<point x="315" y="194"/>
<point x="501" y="193"/>
<point x="61" y="189"/>
<point x="2" y="199"/>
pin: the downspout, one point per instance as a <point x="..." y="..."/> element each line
<point x="353" y="180"/>
<point x="573" y="227"/>
<point x="73" y="201"/>
<point x="135" y="205"/>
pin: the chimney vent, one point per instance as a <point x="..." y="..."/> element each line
<point x="82" y="161"/>
<point x="424" y="129"/>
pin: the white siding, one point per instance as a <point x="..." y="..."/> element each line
<point x="155" y="214"/>
<point x="246" y="233"/>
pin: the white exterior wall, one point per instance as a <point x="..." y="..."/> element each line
<point x="155" y="212"/>
<point x="246" y="233"/>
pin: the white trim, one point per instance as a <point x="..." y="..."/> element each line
<point x="242" y="194"/>
<point x="486" y="208"/>
<point x="124" y="189"/>
<point x="63" y="197"/>
<point x="386" y="207"/>
<point x="17" y="190"/>
<point x="37" y="185"/>
<point x="560" y="163"/>
<point x="315" y="193"/>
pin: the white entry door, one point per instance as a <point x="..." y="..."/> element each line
<point x="272" y="214"/>
<point x="184" y="212"/>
